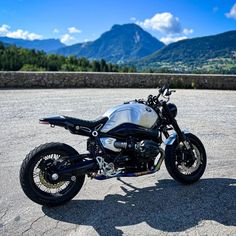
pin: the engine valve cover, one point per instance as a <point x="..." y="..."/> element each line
<point x="147" y="150"/>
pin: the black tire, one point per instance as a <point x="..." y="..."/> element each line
<point x="27" y="181"/>
<point x="171" y="159"/>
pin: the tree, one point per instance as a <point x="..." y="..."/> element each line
<point x="103" y="66"/>
<point x="14" y="58"/>
<point x="28" y="67"/>
<point x="96" y="66"/>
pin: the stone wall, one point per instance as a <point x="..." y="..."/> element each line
<point x="113" y="80"/>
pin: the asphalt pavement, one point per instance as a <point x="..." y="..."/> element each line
<point x="147" y="205"/>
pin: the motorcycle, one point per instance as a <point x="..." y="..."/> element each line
<point x="127" y="141"/>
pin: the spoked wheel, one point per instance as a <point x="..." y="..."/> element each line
<point x="39" y="178"/>
<point x="182" y="165"/>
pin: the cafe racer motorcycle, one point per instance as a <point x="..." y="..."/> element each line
<point x="127" y="141"/>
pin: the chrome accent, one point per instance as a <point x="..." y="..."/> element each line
<point x="86" y="129"/>
<point x="98" y="127"/>
<point x="77" y="127"/>
<point x="122" y="145"/>
<point x="187" y="145"/>
<point x="55" y="176"/>
<point x="107" y="169"/>
<point x="157" y="166"/>
<point x="100" y="162"/>
<point x="109" y="143"/>
<point x="95" y="133"/>
<point x="173" y="136"/>
<point x="73" y="178"/>
<point x="44" y="185"/>
<point x="134" y="113"/>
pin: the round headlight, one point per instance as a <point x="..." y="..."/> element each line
<point x="172" y="108"/>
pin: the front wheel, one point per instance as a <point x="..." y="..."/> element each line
<point x="181" y="165"/>
<point x="37" y="177"/>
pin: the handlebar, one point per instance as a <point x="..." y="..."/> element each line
<point x="163" y="88"/>
<point x="154" y="100"/>
<point x="164" y="91"/>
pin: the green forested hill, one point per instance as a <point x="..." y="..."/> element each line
<point x="208" y="53"/>
<point x="13" y="58"/>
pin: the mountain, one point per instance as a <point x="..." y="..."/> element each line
<point x="196" y="52"/>
<point x="120" y="44"/>
<point x="45" y="44"/>
<point x="131" y="45"/>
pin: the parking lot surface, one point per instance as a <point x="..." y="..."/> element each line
<point x="147" y="205"/>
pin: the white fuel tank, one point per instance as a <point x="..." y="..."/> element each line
<point x="133" y="112"/>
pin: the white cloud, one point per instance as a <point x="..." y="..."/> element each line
<point x="55" y="31"/>
<point x="132" y="18"/>
<point x="169" y="25"/>
<point x="232" y="13"/>
<point x="4" y="29"/>
<point x="188" y="31"/>
<point x="172" y="39"/>
<point x="18" y="34"/>
<point x="66" y="38"/>
<point x="164" y="22"/>
<point x="21" y="34"/>
<point x="73" y="30"/>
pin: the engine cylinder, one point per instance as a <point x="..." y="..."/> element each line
<point x="147" y="150"/>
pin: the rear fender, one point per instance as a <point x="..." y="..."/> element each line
<point x="56" y="121"/>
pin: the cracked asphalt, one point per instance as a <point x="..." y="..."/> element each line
<point x="147" y="205"/>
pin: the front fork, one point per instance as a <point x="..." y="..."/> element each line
<point x="180" y="135"/>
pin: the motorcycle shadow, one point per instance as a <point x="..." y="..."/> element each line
<point x="167" y="206"/>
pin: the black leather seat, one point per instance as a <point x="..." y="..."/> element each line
<point x="86" y="123"/>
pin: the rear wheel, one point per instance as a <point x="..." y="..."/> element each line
<point x="181" y="165"/>
<point x="43" y="186"/>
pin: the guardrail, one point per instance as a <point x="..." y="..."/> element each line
<point x="24" y="80"/>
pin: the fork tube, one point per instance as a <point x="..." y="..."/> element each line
<point x="174" y="123"/>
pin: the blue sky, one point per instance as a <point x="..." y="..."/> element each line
<point x="75" y="21"/>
